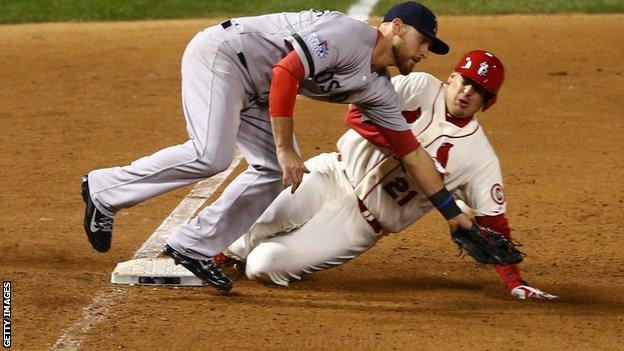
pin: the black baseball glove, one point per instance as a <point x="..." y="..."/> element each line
<point x="487" y="246"/>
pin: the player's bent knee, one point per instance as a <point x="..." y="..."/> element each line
<point x="213" y="165"/>
<point x="263" y="263"/>
<point x="260" y="260"/>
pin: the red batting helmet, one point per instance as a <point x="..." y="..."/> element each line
<point x="484" y="68"/>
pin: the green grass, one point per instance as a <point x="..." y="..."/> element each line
<point x="19" y="11"/>
<point x="482" y="7"/>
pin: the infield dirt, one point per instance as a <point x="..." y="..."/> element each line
<point x="76" y="97"/>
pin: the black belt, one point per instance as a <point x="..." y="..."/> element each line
<point x="227" y="24"/>
<point x="368" y="216"/>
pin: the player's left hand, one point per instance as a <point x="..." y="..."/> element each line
<point x="524" y="292"/>
<point x="486" y="245"/>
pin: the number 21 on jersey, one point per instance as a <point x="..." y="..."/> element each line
<point x="399" y="190"/>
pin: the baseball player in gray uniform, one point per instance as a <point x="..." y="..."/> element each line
<point x="239" y="84"/>
<point x="356" y="195"/>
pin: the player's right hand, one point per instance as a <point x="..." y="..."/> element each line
<point x="461" y="220"/>
<point x="292" y="168"/>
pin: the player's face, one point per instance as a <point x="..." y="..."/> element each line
<point x="464" y="97"/>
<point x="408" y="48"/>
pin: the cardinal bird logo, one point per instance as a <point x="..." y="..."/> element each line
<point x="443" y="153"/>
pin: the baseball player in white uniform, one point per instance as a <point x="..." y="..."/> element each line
<point x="240" y="80"/>
<point x="356" y="195"/>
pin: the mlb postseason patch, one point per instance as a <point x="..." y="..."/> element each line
<point x="317" y="45"/>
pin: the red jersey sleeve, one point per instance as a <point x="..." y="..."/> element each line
<point x="400" y="142"/>
<point x="287" y="74"/>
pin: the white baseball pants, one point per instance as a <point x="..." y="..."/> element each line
<point x="318" y="227"/>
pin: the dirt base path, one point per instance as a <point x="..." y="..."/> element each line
<point x="76" y="97"/>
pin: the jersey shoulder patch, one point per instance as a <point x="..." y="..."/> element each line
<point x="317" y="45"/>
<point x="497" y="193"/>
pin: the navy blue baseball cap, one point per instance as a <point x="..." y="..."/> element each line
<point x="421" y="18"/>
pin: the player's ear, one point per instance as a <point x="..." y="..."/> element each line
<point x="451" y="77"/>
<point x="397" y="25"/>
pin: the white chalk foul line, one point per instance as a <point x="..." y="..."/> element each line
<point x="97" y="310"/>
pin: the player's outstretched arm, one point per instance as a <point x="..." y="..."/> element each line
<point x="287" y="74"/>
<point x="420" y="166"/>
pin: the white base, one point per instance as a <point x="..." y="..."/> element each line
<point x="153" y="271"/>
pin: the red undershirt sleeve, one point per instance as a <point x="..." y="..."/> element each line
<point x="287" y="74"/>
<point x="401" y="142"/>
<point x="510" y="274"/>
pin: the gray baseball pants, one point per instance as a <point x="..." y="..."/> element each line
<point x="219" y="112"/>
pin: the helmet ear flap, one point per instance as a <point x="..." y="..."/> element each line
<point x="489" y="102"/>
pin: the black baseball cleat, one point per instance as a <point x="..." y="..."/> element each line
<point x="97" y="226"/>
<point x="206" y="270"/>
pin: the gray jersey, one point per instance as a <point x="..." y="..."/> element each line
<point x="336" y="52"/>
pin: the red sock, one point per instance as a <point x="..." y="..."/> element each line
<point x="219" y="259"/>
<point x="510" y="274"/>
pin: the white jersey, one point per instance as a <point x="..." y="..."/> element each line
<point x="462" y="154"/>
